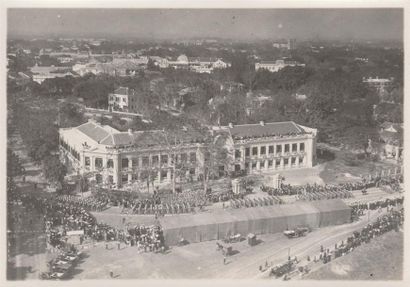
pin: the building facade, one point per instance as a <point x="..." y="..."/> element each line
<point x="275" y="66"/>
<point x="270" y="147"/>
<point x="123" y="99"/>
<point x="125" y="158"/>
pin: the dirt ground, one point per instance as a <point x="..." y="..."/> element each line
<point x="202" y="260"/>
<point x="381" y="259"/>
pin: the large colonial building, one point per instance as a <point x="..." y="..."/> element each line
<point x="121" y="158"/>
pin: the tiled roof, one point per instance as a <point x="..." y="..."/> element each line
<point x="93" y="131"/>
<point x="268" y="129"/>
<point x="123" y="138"/>
<point x="122" y="91"/>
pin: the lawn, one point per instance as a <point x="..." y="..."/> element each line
<point x="344" y="168"/>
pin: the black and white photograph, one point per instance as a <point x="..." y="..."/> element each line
<point x="167" y="143"/>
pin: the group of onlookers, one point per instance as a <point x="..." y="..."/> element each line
<point x="62" y="216"/>
<point x="253" y="202"/>
<point x="359" y="208"/>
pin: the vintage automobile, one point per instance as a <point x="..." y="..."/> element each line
<point x="297" y="232"/>
<point x="233" y="238"/>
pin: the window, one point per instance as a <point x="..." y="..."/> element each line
<point x="155" y="160"/>
<point x="277" y="164"/>
<point x="302" y="146"/>
<point x="286" y="147"/>
<point x="98" y="162"/>
<point x="164" y="159"/>
<point x="237" y="154"/>
<point x="145" y="161"/>
<point x="286" y="161"/>
<point x="164" y="174"/>
<point x="110" y="163"/>
<point x="293" y="160"/>
<point x="192" y="171"/>
<point x="270" y="163"/>
<point x="255" y="150"/>
<point x="117" y="99"/>
<point x="110" y="179"/>
<point x="207" y="155"/>
<point x="134" y="162"/>
<point x="253" y="165"/>
<point x="124" y="100"/>
<point x="294" y="147"/>
<point x="263" y="150"/>
<point x="124" y="178"/>
<point x="183" y="157"/>
<point x="247" y="165"/>
<point x="278" y="149"/>
<point x="192" y="157"/>
<point x="124" y="162"/>
<point x="134" y="176"/>
<point x="247" y="151"/>
<point x="237" y="167"/>
<point x="87" y="161"/>
<point x="271" y="149"/>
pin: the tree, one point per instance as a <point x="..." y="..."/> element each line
<point x="70" y="115"/>
<point x="215" y="154"/>
<point x="14" y="166"/>
<point x="53" y="169"/>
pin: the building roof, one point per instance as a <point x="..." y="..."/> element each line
<point x="267" y="129"/>
<point x="122" y="91"/>
<point x="93" y="131"/>
<point x="388" y="125"/>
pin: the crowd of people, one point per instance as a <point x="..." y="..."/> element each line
<point x="61" y="216"/>
<point x="88" y="203"/>
<point x="382" y="225"/>
<point x="359" y="208"/>
<point x="339" y="190"/>
<point x="146" y="238"/>
<point x="261" y="201"/>
<point x="326" y="194"/>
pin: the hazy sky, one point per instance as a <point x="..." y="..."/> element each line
<point x="233" y="24"/>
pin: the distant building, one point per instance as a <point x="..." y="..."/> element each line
<point x="198" y="64"/>
<point x="160" y="62"/>
<point x="379" y="83"/>
<point x="123" y="99"/>
<point x="40" y="73"/>
<point x="255" y="101"/>
<point x="275" y="66"/>
<point x="391" y="135"/>
<point x="289" y="45"/>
